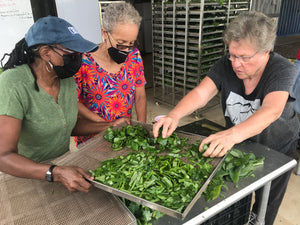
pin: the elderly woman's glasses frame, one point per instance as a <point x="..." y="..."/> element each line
<point x="242" y="59"/>
<point x="120" y="46"/>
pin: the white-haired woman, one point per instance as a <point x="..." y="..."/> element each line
<point x="256" y="86"/>
<point x="111" y="80"/>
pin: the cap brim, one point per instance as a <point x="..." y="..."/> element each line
<point x="80" y="45"/>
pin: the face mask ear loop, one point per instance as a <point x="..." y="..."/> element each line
<point x="109" y="39"/>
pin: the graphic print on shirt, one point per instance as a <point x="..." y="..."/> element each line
<point x="238" y="109"/>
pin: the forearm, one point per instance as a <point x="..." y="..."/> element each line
<point x="141" y="110"/>
<point x="191" y="102"/>
<point x="141" y="104"/>
<point x="84" y="112"/>
<point x="195" y="99"/>
<point x="71" y="177"/>
<point x="85" y="127"/>
<point x="20" y="166"/>
<point x="271" y="109"/>
<point x="255" y="124"/>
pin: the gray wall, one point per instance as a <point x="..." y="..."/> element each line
<point x="269" y="7"/>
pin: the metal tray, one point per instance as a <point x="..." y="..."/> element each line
<point x="98" y="149"/>
<point x="156" y="206"/>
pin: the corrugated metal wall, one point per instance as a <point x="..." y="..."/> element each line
<point x="289" y="18"/>
<point x="269" y="7"/>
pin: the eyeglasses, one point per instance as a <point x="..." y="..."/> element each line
<point x="63" y="49"/>
<point x="242" y="59"/>
<point x="120" y="46"/>
<point x="71" y="53"/>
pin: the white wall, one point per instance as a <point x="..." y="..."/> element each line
<point x="84" y="15"/>
<point x="15" y="20"/>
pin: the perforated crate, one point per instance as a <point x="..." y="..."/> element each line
<point x="237" y="214"/>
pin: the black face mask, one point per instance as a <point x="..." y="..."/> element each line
<point x="71" y="66"/>
<point x="117" y="55"/>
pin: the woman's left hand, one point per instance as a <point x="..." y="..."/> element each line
<point x="218" y="144"/>
<point x="121" y="120"/>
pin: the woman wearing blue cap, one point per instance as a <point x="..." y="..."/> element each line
<point x="38" y="104"/>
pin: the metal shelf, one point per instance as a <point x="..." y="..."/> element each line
<point x="187" y="41"/>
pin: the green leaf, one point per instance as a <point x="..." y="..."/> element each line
<point x="147" y="215"/>
<point x="234" y="175"/>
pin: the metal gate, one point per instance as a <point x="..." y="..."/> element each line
<point x="289" y="18"/>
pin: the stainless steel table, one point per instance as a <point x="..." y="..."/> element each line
<point x="275" y="164"/>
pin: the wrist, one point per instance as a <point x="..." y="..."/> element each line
<point x="49" y="174"/>
<point x="174" y="116"/>
<point x="56" y="173"/>
<point x="236" y="134"/>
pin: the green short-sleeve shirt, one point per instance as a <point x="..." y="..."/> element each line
<point x="46" y="125"/>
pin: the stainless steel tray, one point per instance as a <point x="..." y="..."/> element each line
<point x="98" y="149"/>
<point x="156" y="206"/>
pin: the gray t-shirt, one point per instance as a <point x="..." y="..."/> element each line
<point x="46" y="125"/>
<point x="279" y="75"/>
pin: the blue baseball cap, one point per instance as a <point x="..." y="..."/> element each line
<point x="54" y="30"/>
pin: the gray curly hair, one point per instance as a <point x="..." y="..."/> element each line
<point x="123" y="13"/>
<point x="255" y="27"/>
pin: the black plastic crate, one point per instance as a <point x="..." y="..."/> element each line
<point x="237" y="214"/>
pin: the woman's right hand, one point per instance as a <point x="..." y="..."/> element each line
<point x="73" y="178"/>
<point x="168" y="123"/>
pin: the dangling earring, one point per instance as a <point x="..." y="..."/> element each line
<point x="47" y="67"/>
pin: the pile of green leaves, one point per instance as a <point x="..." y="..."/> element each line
<point x="170" y="178"/>
<point x="137" y="138"/>
<point x="237" y="165"/>
<point x="164" y="179"/>
<point x="142" y="213"/>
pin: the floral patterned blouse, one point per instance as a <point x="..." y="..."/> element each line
<point x="110" y="95"/>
